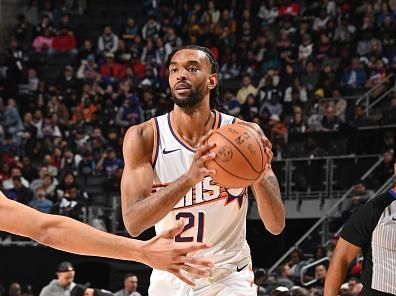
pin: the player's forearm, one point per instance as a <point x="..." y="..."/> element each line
<point x="146" y="212"/>
<point x="64" y="233"/>
<point x="72" y="236"/>
<point x="335" y="277"/>
<point x="269" y="202"/>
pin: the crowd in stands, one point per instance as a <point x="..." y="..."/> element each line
<point x="278" y="62"/>
<point x="305" y="276"/>
<point x="286" y="65"/>
<point x="64" y="284"/>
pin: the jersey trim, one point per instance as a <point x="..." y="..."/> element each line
<point x="216" y="124"/>
<point x="154" y="155"/>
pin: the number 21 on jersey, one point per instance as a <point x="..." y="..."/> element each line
<point x="191" y="224"/>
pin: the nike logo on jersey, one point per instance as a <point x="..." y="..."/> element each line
<point x="393" y="219"/>
<point x="239" y="269"/>
<point x="164" y="151"/>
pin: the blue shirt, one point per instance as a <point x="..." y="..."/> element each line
<point x="42" y="205"/>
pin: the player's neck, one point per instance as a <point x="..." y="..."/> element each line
<point x="191" y="125"/>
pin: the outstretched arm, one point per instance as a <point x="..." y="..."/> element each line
<point x="70" y="235"/>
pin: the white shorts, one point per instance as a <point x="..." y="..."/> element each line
<point x="224" y="282"/>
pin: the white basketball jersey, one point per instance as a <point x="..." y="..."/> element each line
<point x="213" y="214"/>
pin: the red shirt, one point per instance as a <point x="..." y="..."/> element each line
<point x="291" y="9"/>
<point x="116" y="70"/>
<point x="64" y="43"/>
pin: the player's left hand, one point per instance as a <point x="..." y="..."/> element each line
<point x="266" y="142"/>
<point x="161" y="252"/>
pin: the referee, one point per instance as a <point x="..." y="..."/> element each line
<point x="372" y="229"/>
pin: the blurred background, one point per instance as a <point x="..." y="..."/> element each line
<point x="317" y="76"/>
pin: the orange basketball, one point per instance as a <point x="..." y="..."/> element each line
<point x="240" y="157"/>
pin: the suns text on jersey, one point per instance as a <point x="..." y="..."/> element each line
<point x="206" y="191"/>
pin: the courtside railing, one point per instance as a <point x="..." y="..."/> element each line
<point x="322" y="224"/>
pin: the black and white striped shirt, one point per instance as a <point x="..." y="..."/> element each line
<point x="373" y="228"/>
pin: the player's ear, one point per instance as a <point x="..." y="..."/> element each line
<point x="213" y="80"/>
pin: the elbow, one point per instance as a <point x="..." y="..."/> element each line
<point x="277" y="228"/>
<point x="133" y="226"/>
<point x="133" y="230"/>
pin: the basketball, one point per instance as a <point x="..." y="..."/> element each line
<point x="240" y="156"/>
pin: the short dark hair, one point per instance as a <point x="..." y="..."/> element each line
<point x="128" y="275"/>
<point x="214" y="93"/>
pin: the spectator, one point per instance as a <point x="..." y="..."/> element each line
<point x="44" y="43"/>
<point x="310" y="77"/>
<point x="130" y="31"/>
<point x="111" y="70"/>
<point x="109" y="163"/>
<point x="130" y="286"/>
<point x="68" y="182"/>
<point x="296" y="93"/>
<point x="68" y="85"/>
<point x="360" y="195"/>
<point x="85" y="111"/>
<point x="213" y="13"/>
<point x="28" y="170"/>
<point x="40" y="202"/>
<point x="225" y="21"/>
<point x="108" y="41"/>
<point x="15" y="290"/>
<point x="272" y="103"/>
<point x="19" y="192"/>
<point x="70" y="160"/>
<point x="330" y="122"/>
<point x="151" y="28"/>
<point x="383" y="172"/>
<point x="305" y="49"/>
<point x="12" y="119"/>
<point x="268" y="12"/>
<point x="283" y="278"/>
<point x="289" y="8"/>
<point x="15" y="172"/>
<point x="296" y="262"/>
<point x="56" y="107"/>
<point x="64" y="284"/>
<point x="354" y="76"/>
<point x="297" y="124"/>
<point x="86" y="166"/>
<point x="70" y="204"/>
<point x="345" y="31"/>
<point x="360" y="118"/>
<point x="130" y="113"/>
<point x="231" y="104"/>
<point x="43" y="171"/>
<point x="65" y="42"/>
<point x="246" y="89"/>
<point x="320" y="275"/>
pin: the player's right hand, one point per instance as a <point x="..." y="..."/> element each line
<point x="162" y="252"/>
<point x="197" y="170"/>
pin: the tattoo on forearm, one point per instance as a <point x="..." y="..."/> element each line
<point x="272" y="186"/>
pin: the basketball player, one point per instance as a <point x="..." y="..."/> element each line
<point x="72" y="236"/>
<point x="165" y="179"/>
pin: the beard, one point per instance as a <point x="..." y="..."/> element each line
<point x="196" y="96"/>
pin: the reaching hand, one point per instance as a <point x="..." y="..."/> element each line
<point x="161" y="252"/>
